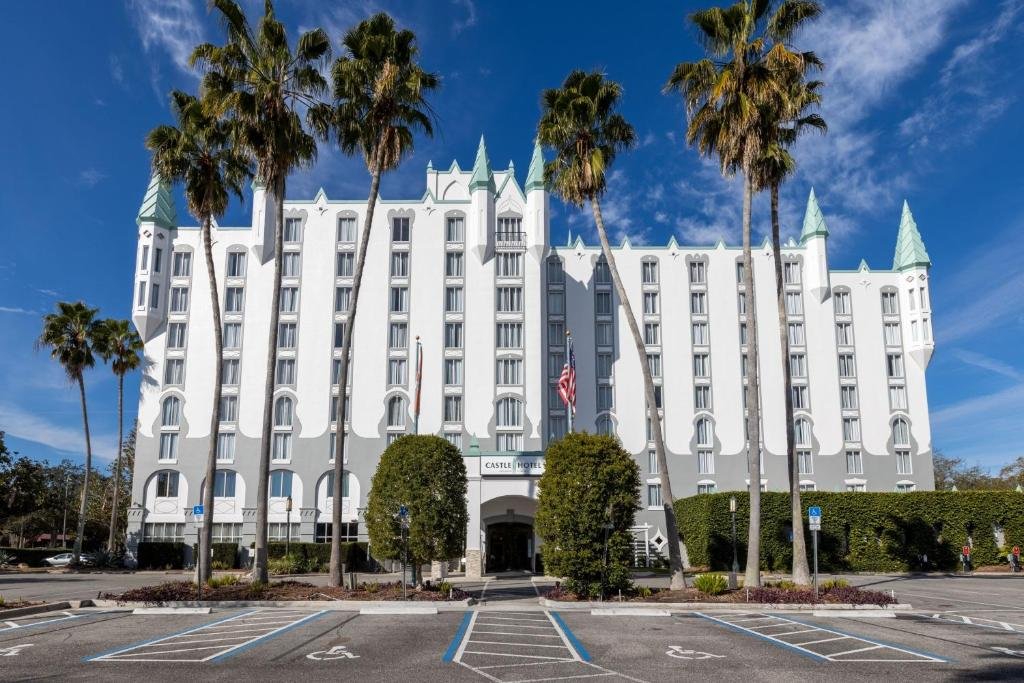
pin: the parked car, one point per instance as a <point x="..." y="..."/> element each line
<point x="64" y="559"/>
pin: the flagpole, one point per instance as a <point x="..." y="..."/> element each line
<point x="419" y="386"/>
<point x="568" y="405"/>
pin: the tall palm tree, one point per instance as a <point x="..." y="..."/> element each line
<point x="119" y="344"/>
<point x="379" y="93"/>
<point x="579" y="121"/>
<point x="70" y="334"/>
<point x="199" y="152"/>
<point x="262" y="84"/>
<point x="783" y="121"/>
<point x="722" y="94"/>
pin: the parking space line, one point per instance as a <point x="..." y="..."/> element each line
<point x="12" y="625"/>
<point x="509" y="633"/>
<point x="460" y="635"/>
<point x="973" y="621"/>
<point x="850" y="652"/>
<point x="511" y="654"/>
<point x="495" y="642"/>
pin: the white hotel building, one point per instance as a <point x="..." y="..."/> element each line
<point x="469" y="269"/>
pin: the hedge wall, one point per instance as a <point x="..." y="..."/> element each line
<point x="354" y="554"/>
<point x="859" y="531"/>
<point x="161" y="554"/>
<point x="33" y="557"/>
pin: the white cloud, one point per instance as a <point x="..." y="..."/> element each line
<point x="18" y="310"/>
<point x="90" y="177"/>
<point x="460" y="25"/>
<point x="39" y="429"/>
<point x="116" y="70"/>
<point x="984" y="362"/>
<point x="1010" y="399"/>
<point x="172" y="26"/>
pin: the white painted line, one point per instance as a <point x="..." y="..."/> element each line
<point x="823" y="640"/>
<point x="736" y="621"/>
<point x="850" y="652"/>
<point x="465" y="638"/>
<point x="398" y="610"/>
<point x="171" y="610"/>
<point x="14" y="625"/>
<point x="495" y="642"/>
<point x="510" y="633"/>
<point x="793" y="633"/>
<point x="491" y="616"/>
<point x="515" y="625"/>
<point x="504" y="654"/>
<point x="629" y="612"/>
<point x="856" y="614"/>
<point x="509" y="666"/>
<point x="563" y="678"/>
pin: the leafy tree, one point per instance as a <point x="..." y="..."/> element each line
<point x="262" y="84"/>
<point x="426" y="475"/>
<point x="379" y="90"/>
<point x="580" y="121"/>
<point x="589" y="481"/>
<point x="1013" y="474"/>
<point x="951" y="471"/>
<point x="70" y="334"/>
<point x="200" y="153"/>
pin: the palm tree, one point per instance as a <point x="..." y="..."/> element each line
<point x="70" y="334"/>
<point x="379" y="93"/>
<point x="119" y="344"/>
<point x="199" y="153"/>
<point x="257" y="80"/>
<point x="782" y="122"/>
<point x="722" y="94"/>
<point x="579" y="121"/>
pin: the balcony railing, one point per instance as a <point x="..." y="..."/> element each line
<point x="513" y="238"/>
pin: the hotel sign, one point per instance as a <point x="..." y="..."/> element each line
<point x="512" y="465"/>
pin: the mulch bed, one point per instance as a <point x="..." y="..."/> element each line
<point x="16" y="604"/>
<point x="280" y="590"/>
<point x="764" y="595"/>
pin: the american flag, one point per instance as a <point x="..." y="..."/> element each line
<point x="567" y="382"/>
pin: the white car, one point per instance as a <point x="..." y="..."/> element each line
<point x="64" y="559"/>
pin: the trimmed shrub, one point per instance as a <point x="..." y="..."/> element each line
<point x="316" y="557"/>
<point x="710" y="584"/>
<point x="226" y="580"/>
<point x="161" y="555"/>
<point x="33" y="557"/>
<point x="225" y="555"/>
<point x="860" y="531"/>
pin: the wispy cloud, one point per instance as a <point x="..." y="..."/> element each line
<point x="42" y="430"/>
<point x="172" y="26"/>
<point x="116" y="70"/>
<point x="460" y="25"/>
<point x="994" y="365"/>
<point x="90" y="177"/>
<point x="17" y="310"/>
<point x="1010" y="399"/>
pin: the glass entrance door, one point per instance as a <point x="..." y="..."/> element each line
<point x="508" y="546"/>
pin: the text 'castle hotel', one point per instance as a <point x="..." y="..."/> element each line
<point x="470" y="270"/>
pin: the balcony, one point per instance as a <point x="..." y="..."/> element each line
<point x="510" y="238"/>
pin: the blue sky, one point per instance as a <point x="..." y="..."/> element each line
<point x="921" y="99"/>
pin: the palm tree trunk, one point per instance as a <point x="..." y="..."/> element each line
<point x="259" y="565"/>
<point x="675" y="555"/>
<point x="77" y="552"/>
<point x="335" y="577"/>
<point x="112" y="537"/>
<point x="752" y="576"/>
<point x="801" y="573"/>
<point x="206" y="533"/>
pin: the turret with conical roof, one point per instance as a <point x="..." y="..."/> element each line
<point x="483" y="176"/>
<point x="158" y="205"/>
<point x="814" y="239"/>
<point x="156" y="219"/>
<point x="910" y="251"/>
<point x="535" y="176"/>
<point x="814" y="220"/>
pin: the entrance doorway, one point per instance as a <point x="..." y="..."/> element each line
<point x="509" y="546"/>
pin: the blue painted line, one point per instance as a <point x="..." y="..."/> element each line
<point x="449" y="654"/>
<point x="577" y="645"/>
<point x="784" y="645"/>
<point x="269" y="636"/>
<point x="125" y="648"/>
<point x="875" y="642"/>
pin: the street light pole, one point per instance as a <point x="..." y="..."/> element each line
<point x="288" y="528"/>
<point x="735" y="560"/>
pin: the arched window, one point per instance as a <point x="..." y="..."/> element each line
<point x="510" y="413"/>
<point x="280" y="484"/>
<point x="167" y="484"/>
<point x="344" y="485"/>
<point x="224" y="484"/>
<point x="900" y="434"/>
<point x="704" y="432"/>
<point x="396" y="412"/>
<point x="283" y="412"/>
<point x="802" y="433"/>
<point x="605" y="426"/>
<point x="170" y="414"/>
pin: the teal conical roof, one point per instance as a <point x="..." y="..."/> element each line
<point x="910" y="251"/>
<point x="814" y="220"/>
<point x="158" y="204"/>
<point x="535" y="176"/>
<point x="483" y="177"/>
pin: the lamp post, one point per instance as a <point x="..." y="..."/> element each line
<point x="288" y="527"/>
<point x="735" y="561"/>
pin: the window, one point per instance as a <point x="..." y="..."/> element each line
<point x="890" y="303"/>
<point x="854" y="464"/>
<point x="227" y="533"/>
<point x="510" y="264"/>
<point x="851" y="429"/>
<point x="174" y="371"/>
<point x="292" y="230"/>
<point x="914" y="336"/>
<point x="652" y="334"/>
<point x="797" y="365"/>
<point x="508" y="441"/>
<point x="400" y="264"/>
<point x="453" y="409"/>
<point x="604" y="397"/>
<point x="705" y="432"/>
<point x="653" y="495"/>
<point x="912" y="299"/>
<point x="705" y="462"/>
<point x="280" y="484"/>
<point x="698" y="303"/>
<point x="283" y="412"/>
<point x="397" y="371"/>
<point x="168" y="446"/>
<point x="741" y="301"/>
<point x="140" y="300"/>
<point x="232" y="335"/>
<point x="399" y="229"/>
<point x="796" y="334"/>
<point x="154" y="296"/>
<point x="510" y="229"/>
<point x="702" y="397"/>
<point x="346" y="263"/>
<point x="176" y="336"/>
<point x="346" y="229"/>
<point x="164" y="531"/>
<point x="167" y="485"/>
<point x="603" y="303"/>
<point x="509" y="371"/>
<point x="739" y="272"/>
<point x="848" y="397"/>
<point x="170" y="413"/>
<point x="651" y="303"/>
<point x="396" y="412"/>
<point x="841" y="301"/>
<point x="144" y="259"/>
<point x="654" y="364"/>
<point x="339" y="335"/>
<point x="228" y="409"/>
<point x="847" y="366"/>
<point x="706" y="488"/>
<point x="454" y="438"/>
<point x="900" y="434"/>
<point x="898" y="397"/>
<point x="510" y="299"/>
<point x="700" y="334"/>
<point x="454" y="228"/>
<point x="453" y="335"/>
<point x="698" y="273"/>
<point x="652" y="462"/>
<point x="556" y="275"/>
<point x="844" y="334"/>
<point x="286" y="335"/>
<point x="855" y="488"/>
<point x="894" y="364"/>
<point x="285" y="371"/>
<point x="800" y="398"/>
<point x="453" y="300"/>
<point x="903" y="463"/>
<point x="805" y="463"/>
<point x="225" y="447"/>
<point x="556" y="303"/>
<point x="701" y="365"/>
<point x="179" y="299"/>
<point x="802" y="432"/>
<point x="398" y="336"/>
<point x="791" y="272"/>
<point x="453" y="371"/>
<point x="509" y="413"/>
<point x="892" y="334"/>
<point x="234" y="299"/>
<point x="344" y="485"/>
<point x="399" y="300"/>
<point x="453" y="264"/>
<point x="604" y="365"/>
<point x="794" y="303"/>
<point x="181" y="264"/>
<point x="602" y="274"/>
<point x="281" y="447"/>
<point x="905" y="488"/>
<point x="509" y="335"/>
<point x="279" y="531"/>
<point x="158" y="257"/>
<point x="743" y="334"/>
<point x="229" y="371"/>
<point x="649" y="272"/>
<point x="604" y="334"/>
<point x="290" y="264"/>
<point x="236" y="264"/>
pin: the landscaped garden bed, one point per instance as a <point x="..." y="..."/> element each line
<point x="16" y="604"/>
<point x="229" y="589"/>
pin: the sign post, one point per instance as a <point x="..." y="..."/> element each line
<point x="197" y="516"/>
<point x="965" y="557"/>
<point x="403" y="520"/>
<point x="814" y="522"/>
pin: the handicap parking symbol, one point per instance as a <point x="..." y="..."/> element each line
<point x="336" y="652"/>
<point x="678" y="652"/>
<point x="13" y="650"/>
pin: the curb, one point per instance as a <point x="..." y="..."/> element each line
<point x="35" y="609"/>
<point x="327" y="605"/>
<point x="398" y="609"/>
<point x="628" y="612"/>
<point x="635" y="607"/>
<point x="857" y="614"/>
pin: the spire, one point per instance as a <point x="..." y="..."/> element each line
<point x="814" y="221"/>
<point x="535" y="176"/>
<point x="158" y="204"/>
<point x="910" y="251"/>
<point x="569" y="242"/>
<point x="482" y="177"/>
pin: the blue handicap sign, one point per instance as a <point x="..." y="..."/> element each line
<point x="403" y="511"/>
<point x="197" y="510"/>
<point x="814" y="511"/>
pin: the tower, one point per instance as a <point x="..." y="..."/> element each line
<point x="537" y="204"/>
<point x="156" y="218"/>
<point x="480" y="230"/>
<point x="911" y="261"/>
<point x="814" y="240"/>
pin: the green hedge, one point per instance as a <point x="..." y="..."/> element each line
<point x="161" y="555"/>
<point x="33" y="557"/>
<point x="860" y="531"/>
<point x="318" y="555"/>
